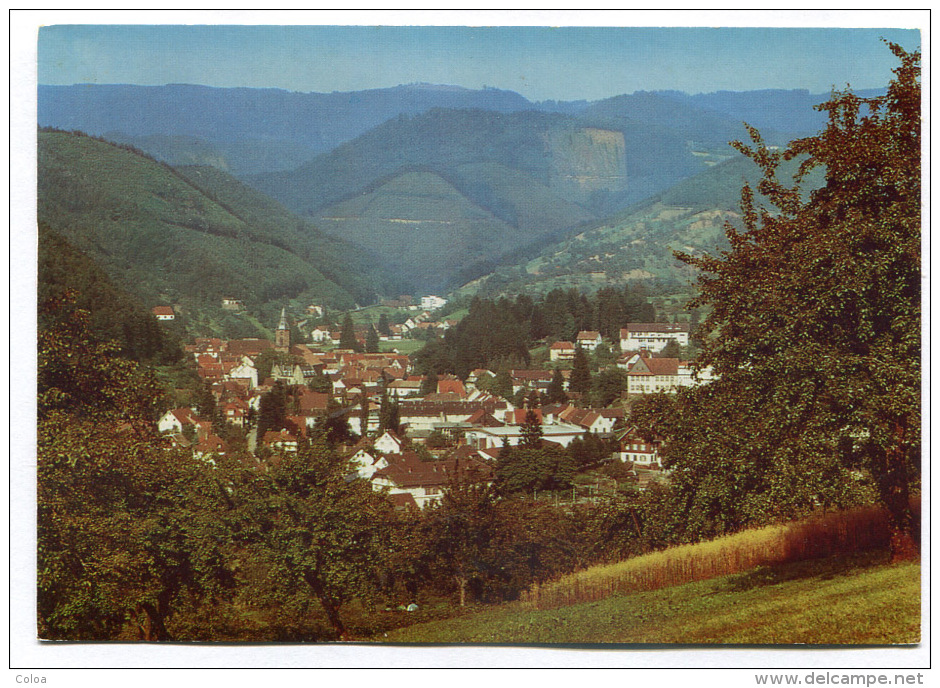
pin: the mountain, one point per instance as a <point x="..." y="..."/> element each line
<point x="189" y="239"/>
<point x="637" y="245"/>
<point x="790" y="111"/>
<point x="509" y="177"/>
<point x="113" y="314"/>
<point x="504" y="176"/>
<point x="250" y="130"/>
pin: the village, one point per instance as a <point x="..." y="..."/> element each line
<point x="441" y="429"/>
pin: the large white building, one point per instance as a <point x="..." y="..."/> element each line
<point x="431" y="303"/>
<point x="653" y="336"/>
<point x="651" y="375"/>
<point x="512" y="435"/>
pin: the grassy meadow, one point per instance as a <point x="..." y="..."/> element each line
<point x="858" y="599"/>
<point x="824" y="580"/>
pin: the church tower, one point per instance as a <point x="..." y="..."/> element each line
<point x="282" y="335"/>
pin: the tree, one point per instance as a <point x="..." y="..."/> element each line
<point x="531" y="430"/>
<point x="607" y="386"/>
<point x="317" y="535"/>
<point x="272" y="410"/>
<point x="458" y="534"/>
<point x="555" y="394"/>
<point x="428" y="384"/>
<point x="389" y="415"/>
<point x="347" y="337"/>
<point x="502" y="385"/>
<point x="384" y="327"/>
<point x="671" y="350"/>
<point x="372" y="341"/>
<point x="524" y="468"/>
<point x="580" y="380"/>
<point x="128" y="532"/>
<point x="333" y="426"/>
<point x="814" y="325"/>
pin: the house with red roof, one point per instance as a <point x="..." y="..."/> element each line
<point x="425" y="481"/>
<point x="592" y="420"/>
<point x="280" y="440"/>
<point x="175" y="420"/>
<point x="450" y="384"/>
<point x="637" y="450"/>
<point x="588" y="340"/>
<point x="561" y="351"/>
<point x="163" y="313"/>
<point x="650" y="375"/>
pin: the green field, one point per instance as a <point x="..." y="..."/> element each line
<point x="862" y="599"/>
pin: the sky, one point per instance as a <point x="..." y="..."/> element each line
<point x="539" y="62"/>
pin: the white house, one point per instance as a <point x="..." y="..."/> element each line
<point x="653" y="336"/>
<point x="175" y="420"/>
<point x="389" y="443"/>
<point x="367" y="463"/>
<point x="425" y="481"/>
<point x="588" y="340"/>
<point x="634" y="449"/>
<point x="561" y="351"/>
<point x="245" y="371"/>
<point x="164" y="313"/>
<point x="431" y="303"/>
<point x="321" y="334"/>
<point x="651" y="375"/>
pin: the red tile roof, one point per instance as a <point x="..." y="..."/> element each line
<point x="408" y="470"/>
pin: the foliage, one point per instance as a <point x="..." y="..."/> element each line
<point x="608" y="386"/>
<point x="531" y="430"/>
<point x="580" y="380"/>
<point x="129" y="533"/>
<point x="428" y="384"/>
<point x="589" y="449"/>
<point x="525" y="468"/>
<point x="372" y="341"/>
<point x="168" y="238"/>
<point x="272" y="410"/>
<point x="815" y="324"/>
<point x="113" y="314"/>
<point x="315" y="534"/>
<point x="347" y="337"/>
<point x="389" y="415"/>
<point x="555" y="394"/>
<point x="333" y="426"/>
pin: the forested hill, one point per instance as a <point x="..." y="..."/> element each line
<point x="637" y="245"/>
<point x="166" y="240"/>
<point x="70" y="279"/>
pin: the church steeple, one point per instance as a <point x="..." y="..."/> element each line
<point x="282" y="335"/>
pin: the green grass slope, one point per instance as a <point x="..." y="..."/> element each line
<point x="422" y="227"/>
<point x="861" y="599"/>
<point x="165" y="240"/>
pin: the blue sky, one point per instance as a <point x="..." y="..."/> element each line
<point x="565" y="63"/>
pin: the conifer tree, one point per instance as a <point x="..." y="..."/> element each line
<point x="580" y="380"/>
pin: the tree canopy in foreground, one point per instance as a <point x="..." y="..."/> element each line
<point x="814" y="329"/>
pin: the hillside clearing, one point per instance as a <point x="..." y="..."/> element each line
<point x="841" y="600"/>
